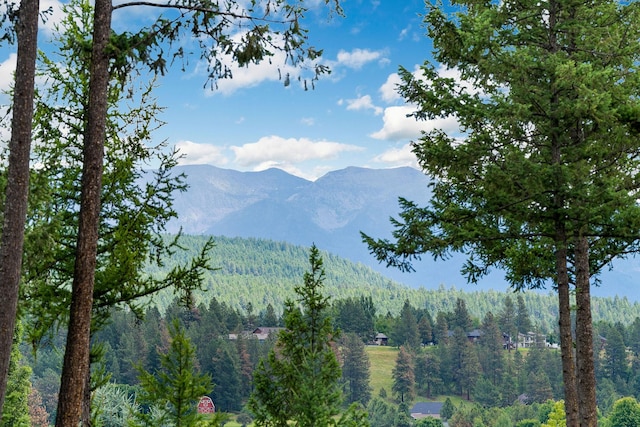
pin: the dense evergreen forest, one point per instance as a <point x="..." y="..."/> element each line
<point x="436" y="360"/>
<point x="262" y="272"/>
<point x="453" y="346"/>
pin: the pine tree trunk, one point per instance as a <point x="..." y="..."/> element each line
<point x="76" y="358"/>
<point x="17" y="191"/>
<point x="566" y="339"/>
<point x="584" y="338"/>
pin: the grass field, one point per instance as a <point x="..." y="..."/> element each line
<point x="382" y="359"/>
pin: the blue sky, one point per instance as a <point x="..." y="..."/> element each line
<point x="353" y="117"/>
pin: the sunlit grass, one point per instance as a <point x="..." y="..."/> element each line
<point x="382" y="359"/>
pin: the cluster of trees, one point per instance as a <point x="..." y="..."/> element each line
<point x="475" y="361"/>
<point x="246" y="270"/>
<point x="542" y="178"/>
<point x="542" y="183"/>
<point x="91" y="227"/>
<point x="436" y="357"/>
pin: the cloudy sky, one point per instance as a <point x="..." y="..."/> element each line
<point x="353" y="117"/>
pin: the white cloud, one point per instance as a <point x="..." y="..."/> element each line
<point x="398" y="126"/>
<point x="363" y="103"/>
<point x="195" y="154"/>
<point x="53" y="16"/>
<point x="51" y="19"/>
<point x="255" y="74"/>
<point x="276" y="68"/>
<point x="396" y="157"/>
<point x="389" y="89"/>
<point x="308" y="121"/>
<point x="278" y="150"/>
<point x="357" y="58"/>
<point x="405" y="31"/>
<point x="7" y="69"/>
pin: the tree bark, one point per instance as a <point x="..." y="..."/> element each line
<point x="566" y="339"/>
<point x="76" y="358"/>
<point x="584" y="338"/>
<point x="17" y="191"/>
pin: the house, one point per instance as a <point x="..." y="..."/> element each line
<point x="261" y="333"/>
<point x="472" y="336"/>
<point x="426" y="409"/>
<point x="381" y="339"/>
<point x="531" y="339"/>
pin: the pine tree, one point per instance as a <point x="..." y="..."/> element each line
<point x="355" y="370"/>
<point x="490" y="350"/>
<point x="299" y="380"/>
<point x="541" y="179"/>
<point x="523" y="321"/>
<point x="427" y="373"/>
<point x="15" y="412"/>
<point x="461" y="317"/>
<point x="175" y="388"/>
<point x="406" y="331"/>
<point x="403" y="376"/>
<point x="448" y="409"/>
<point x="507" y="321"/>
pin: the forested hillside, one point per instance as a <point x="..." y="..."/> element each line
<point x="261" y="272"/>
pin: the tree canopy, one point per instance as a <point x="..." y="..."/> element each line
<point x="542" y="178"/>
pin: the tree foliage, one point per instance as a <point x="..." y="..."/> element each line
<point x="541" y="180"/>
<point x="133" y="214"/>
<point x="626" y="412"/>
<point x="299" y="381"/>
<point x="113" y="58"/>
<point x="15" y="412"/>
<point x="356" y="373"/>
<point x="403" y="376"/>
<point x="175" y="388"/>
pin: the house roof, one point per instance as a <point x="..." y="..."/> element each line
<point x="266" y="330"/>
<point x="380" y="335"/>
<point x="432" y="408"/>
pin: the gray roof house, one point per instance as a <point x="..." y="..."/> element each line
<point x="426" y="409"/>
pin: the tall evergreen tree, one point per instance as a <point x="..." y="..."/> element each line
<point x="441" y="331"/>
<point x="541" y="180"/>
<point x="25" y="28"/>
<point x="460" y="318"/>
<point x="428" y="374"/>
<point x="403" y="376"/>
<point x="269" y="318"/>
<point x="175" y="388"/>
<point x="507" y="321"/>
<point x="425" y="329"/>
<point x="523" y="320"/>
<point x="490" y="350"/>
<point x="615" y="358"/>
<point x="299" y="381"/>
<point x="355" y="370"/>
<point x="406" y="331"/>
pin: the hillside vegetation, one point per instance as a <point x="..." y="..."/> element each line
<point x="261" y="272"/>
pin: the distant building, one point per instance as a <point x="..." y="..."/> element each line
<point x="260" y="333"/>
<point x="426" y="409"/>
<point x="381" y="339"/>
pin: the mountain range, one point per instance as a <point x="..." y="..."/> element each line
<point x="330" y="213"/>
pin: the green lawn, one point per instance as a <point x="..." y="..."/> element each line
<point x="383" y="359"/>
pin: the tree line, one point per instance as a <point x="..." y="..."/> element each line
<point x="247" y="269"/>
<point x="436" y="357"/>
